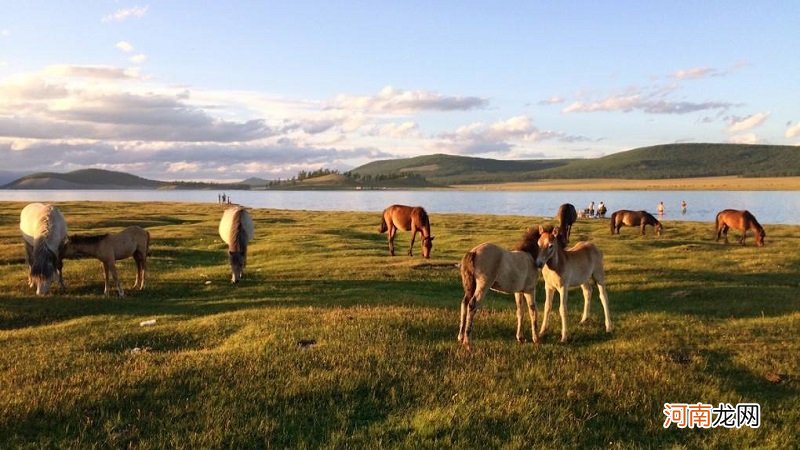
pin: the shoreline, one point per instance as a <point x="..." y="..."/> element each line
<point x="727" y="183"/>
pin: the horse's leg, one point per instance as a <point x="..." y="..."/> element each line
<point x="414" y="231"/>
<point x="105" y="278"/>
<point x="137" y="257"/>
<point x="392" y="231"/>
<point x="744" y="235"/>
<point x="725" y="232"/>
<point x="518" y="300"/>
<point x="472" y="309"/>
<point x="643" y="230"/>
<point x="462" y="331"/>
<point x="29" y="260"/>
<point x="587" y="300"/>
<point x="601" y="289"/>
<point x="530" y="298"/>
<point x="549" y="292"/>
<point x="60" y="270"/>
<point x="113" y="269"/>
<point x="562" y="310"/>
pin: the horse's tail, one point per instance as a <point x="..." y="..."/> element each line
<point x="613" y="221"/>
<point x="468" y="274"/>
<point x="147" y="243"/>
<point x="383" y="227"/>
<point x="717" y="225"/>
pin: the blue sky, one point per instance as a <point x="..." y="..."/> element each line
<point x="227" y="90"/>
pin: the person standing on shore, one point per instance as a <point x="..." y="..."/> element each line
<point x="660" y="208"/>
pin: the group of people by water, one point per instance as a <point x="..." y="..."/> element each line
<point x="223" y="198"/>
<point x="600" y="212"/>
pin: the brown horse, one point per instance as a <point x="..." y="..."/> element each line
<point x="488" y="266"/>
<point x="566" y="215"/>
<point x="110" y="247"/>
<point x="564" y="268"/>
<point x="739" y="220"/>
<point x="408" y="218"/>
<point x="634" y="219"/>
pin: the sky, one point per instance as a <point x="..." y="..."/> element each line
<point x="206" y="90"/>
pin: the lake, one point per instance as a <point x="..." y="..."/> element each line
<point x="780" y="207"/>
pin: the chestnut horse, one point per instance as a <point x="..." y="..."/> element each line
<point x="634" y="219"/>
<point x="566" y="215"/>
<point x="407" y="218"/>
<point x="109" y="248"/>
<point x="236" y="229"/>
<point x="564" y="268"/>
<point x="739" y="220"/>
<point x="44" y="231"/>
<point x="488" y="266"/>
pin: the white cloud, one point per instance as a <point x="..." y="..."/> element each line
<point x="739" y="124"/>
<point x="747" y="138"/>
<point x="99" y="72"/>
<point x="5" y="32"/>
<point x="793" y="131"/>
<point x="121" y="15"/>
<point x="391" y="100"/>
<point x="554" y="100"/>
<point x="124" y="46"/>
<point x="138" y="59"/>
<point x="696" y="73"/>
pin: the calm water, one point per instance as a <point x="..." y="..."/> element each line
<point x="768" y="206"/>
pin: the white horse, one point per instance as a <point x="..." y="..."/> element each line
<point x="236" y="229"/>
<point x="564" y="268"/>
<point x="44" y="232"/>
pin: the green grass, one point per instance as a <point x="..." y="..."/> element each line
<point x="224" y="366"/>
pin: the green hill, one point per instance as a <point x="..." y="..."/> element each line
<point x="105" y="179"/>
<point x="662" y="161"/>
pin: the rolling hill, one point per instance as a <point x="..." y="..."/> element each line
<point x="105" y="179"/>
<point x="657" y="162"/>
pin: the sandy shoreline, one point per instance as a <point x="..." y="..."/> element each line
<point x="731" y="183"/>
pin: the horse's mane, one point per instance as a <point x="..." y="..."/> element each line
<point x="43" y="265"/>
<point x="750" y="216"/>
<point x="239" y="238"/>
<point x="87" y="239"/>
<point x="529" y="242"/>
<point x="423" y="217"/>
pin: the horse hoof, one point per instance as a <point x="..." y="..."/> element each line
<point x="521" y="340"/>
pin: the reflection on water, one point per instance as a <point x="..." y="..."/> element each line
<point x="767" y="206"/>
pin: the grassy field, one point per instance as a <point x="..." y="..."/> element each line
<point x="331" y="343"/>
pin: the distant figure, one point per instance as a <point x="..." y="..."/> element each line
<point x="223" y="197"/>
<point x="591" y="209"/>
<point x="229" y="199"/>
<point x="219" y="198"/>
<point x="660" y="208"/>
<point x="683" y="206"/>
<point x="601" y="209"/>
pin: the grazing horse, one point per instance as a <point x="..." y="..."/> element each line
<point x="634" y="219"/>
<point x="739" y="220"/>
<point x="44" y="231"/>
<point x="564" y="268"/>
<point x="109" y="248"/>
<point x="408" y="218"/>
<point x="236" y="229"/>
<point x="488" y="266"/>
<point x="566" y="215"/>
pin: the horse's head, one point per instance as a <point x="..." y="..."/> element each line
<point x="548" y="245"/>
<point x="237" y="265"/>
<point x="659" y="228"/>
<point x="760" y="236"/>
<point x="427" y="245"/>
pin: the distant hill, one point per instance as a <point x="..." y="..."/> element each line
<point x="255" y="182"/>
<point x="105" y="179"/>
<point x="661" y="161"/>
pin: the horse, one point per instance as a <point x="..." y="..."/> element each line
<point x="566" y="215"/>
<point x="407" y="218"/>
<point x="633" y="219"/>
<point x="44" y="231"/>
<point x="564" y="268"/>
<point x="739" y="220"/>
<point x="236" y="229"/>
<point x="109" y="248"/>
<point x="489" y="266"/>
